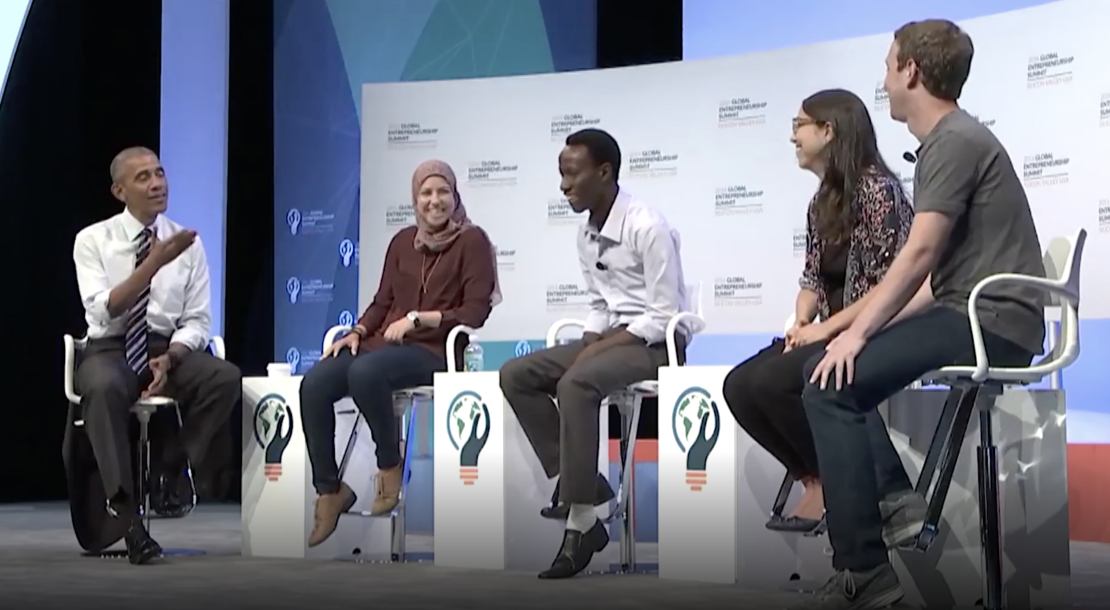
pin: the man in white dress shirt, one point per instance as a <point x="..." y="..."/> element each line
<point x="144" y="284"/>
<point x="630" y="263"/>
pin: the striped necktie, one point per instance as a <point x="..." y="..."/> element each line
<point x="137" y="328"/>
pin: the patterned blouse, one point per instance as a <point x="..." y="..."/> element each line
<point x="883" y="215"/>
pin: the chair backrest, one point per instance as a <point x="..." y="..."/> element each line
<point x="1062" y="263"/>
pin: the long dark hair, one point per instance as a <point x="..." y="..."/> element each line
<point x="852" y="152"/>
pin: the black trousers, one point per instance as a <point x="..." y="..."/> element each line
<point x="205" y="387"/>
<point x="891" y="360"/>
<point x="369" y="378"/>
<point x="764" y="394"/>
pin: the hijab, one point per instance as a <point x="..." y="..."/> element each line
<point x="429" y="239"/>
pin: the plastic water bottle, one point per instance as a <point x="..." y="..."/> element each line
<point x="473" y="356"/>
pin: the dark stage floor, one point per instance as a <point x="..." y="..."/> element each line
<point x="40" y="567"/>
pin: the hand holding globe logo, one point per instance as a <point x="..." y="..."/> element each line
<point x="693" y="412"/>
<point x="468" y="427"/>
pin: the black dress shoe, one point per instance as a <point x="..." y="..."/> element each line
<point x="164" y="500"/>
<point x="560" y="511"/>
<point x="141" y="548"/>
<point x="577" y="551"/>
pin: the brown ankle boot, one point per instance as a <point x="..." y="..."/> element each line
<point x="388" y="491"/>
<point x="328" y="509"/>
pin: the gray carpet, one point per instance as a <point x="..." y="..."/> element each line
<point x="40" y="567"/>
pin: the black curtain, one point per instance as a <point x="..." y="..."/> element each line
<point x="249" y="275"/>
<point x="84" y="84"/>
<point x="635" y="33"/>
<point x="249" y="255"/>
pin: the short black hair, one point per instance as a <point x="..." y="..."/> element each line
<point x="603" y="148"/>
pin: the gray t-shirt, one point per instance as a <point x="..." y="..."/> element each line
<point x="964" y="171"/>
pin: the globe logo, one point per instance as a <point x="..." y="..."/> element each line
<point x="468" y="427"/>
<point x="273" y="427"/>
<point x="695" y="414"/>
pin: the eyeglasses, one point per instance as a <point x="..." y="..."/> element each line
<point x="796" y="122"/>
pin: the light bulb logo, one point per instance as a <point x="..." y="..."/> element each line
<point x="346" y="251"/>
<point x="346" y="318"/>
<point x="523" y="348"/>
<point x="293" y="357"/>
<point x="293" y="289"/>
<point x="293" y="219"/>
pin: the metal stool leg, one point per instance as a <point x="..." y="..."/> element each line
<point x="961" y="400"/>
<point x="188" y="466"/>
<point x="783" y="495"/>
<point x="629" y="405"/>
<point x="989" y="510"/>
<point x="407" y="425"/>
<point x="346" y="459"/>
<point x="143" y="471"/>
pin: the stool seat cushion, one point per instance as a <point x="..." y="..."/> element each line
<point x="650" y="388"/>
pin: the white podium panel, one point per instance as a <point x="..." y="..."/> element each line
<point x="697" y="476"/>
<point x="717" y="488"/>
<point x="278" y="496"/>
<point x="489" y="485"/>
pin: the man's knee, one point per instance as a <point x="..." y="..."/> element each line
<point x="577" y="384"/>
<point x="226" y="377"/>
<point x="105" y="389"/>
<point x="515" y="373"/>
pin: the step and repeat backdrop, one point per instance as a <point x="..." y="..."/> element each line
<point x="324" y="51"/>
<point x="708" y="143"/>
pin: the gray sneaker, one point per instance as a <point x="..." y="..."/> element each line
<point x="903" y="517"/>
<point x="871" y="590"/>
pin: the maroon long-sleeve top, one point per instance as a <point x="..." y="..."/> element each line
<point x="458" y="283"/>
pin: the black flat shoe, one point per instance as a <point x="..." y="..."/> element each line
<point x="558" y="510"/>
<point x="577" y="551"/>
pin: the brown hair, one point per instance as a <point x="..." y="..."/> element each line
<point x="852" y="153"/>
<point x="942" y="52"/>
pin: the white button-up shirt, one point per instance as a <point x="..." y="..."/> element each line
<point x="632" y="270"/>
<point x="104" y="255"/>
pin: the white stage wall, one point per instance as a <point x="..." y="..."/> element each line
<point x="707" y="142"/>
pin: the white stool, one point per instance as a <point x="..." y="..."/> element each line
<point x="143" y="410"/>
<point x="978" y="387"/>
<point x="405" y="410"/>
<point x="628" y="401"/>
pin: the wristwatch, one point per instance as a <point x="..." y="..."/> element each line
<point x="414" y="318"/>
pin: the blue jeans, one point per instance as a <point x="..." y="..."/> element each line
<point x="369" y="378"/>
